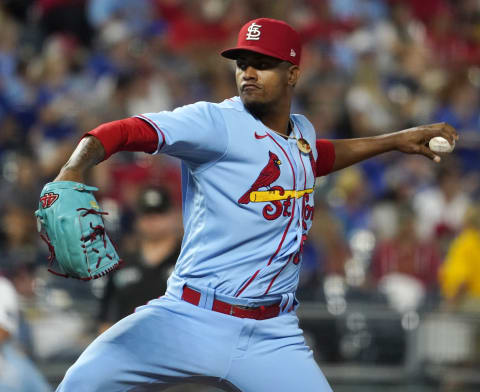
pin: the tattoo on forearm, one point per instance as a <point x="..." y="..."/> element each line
<point x="89" y="152"/>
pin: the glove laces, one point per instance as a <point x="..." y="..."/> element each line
<point x="97" y="230"/>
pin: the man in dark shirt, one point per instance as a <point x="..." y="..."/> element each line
<point x="157" y="233"/>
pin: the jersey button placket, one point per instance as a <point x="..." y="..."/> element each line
<point x="292" y="146"/>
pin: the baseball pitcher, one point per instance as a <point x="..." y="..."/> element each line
<point x="248" y="167"/>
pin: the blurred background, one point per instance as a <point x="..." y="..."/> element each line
<point x="390" y="282"/>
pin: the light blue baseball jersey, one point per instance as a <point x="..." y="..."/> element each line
<point x="247" y="198"/>
<point x="247" y="208"/>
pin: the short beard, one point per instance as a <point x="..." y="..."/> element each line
<point x="259" y="109"/>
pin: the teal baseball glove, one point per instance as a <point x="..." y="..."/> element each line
<point x="71" y="223"/>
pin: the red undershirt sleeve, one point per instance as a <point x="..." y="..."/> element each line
<point x="130" y="134"/>
<point x="325" y="158"/>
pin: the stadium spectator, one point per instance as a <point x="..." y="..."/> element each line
<point x="459" y="106"/>
<point x="442" y="206"/>
<point x="149" y="256"/>
<point x="17" y="373"/>
<point x="407" y="254"/>
<point x="350" y="201"/>
<point x="19" y="242"/>
<point x="460" y="273"/>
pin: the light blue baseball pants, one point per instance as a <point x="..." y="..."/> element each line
<point x="170" y="341"/>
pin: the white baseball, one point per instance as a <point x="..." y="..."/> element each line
<point x="440" y="145"/>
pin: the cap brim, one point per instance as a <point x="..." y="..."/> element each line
<point x="233" y="53"/>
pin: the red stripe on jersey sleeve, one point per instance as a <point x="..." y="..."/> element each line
<point x="326" y="157"/>
<point x="130" y="134"/>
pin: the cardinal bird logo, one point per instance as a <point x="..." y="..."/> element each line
<point x="267" y="176"/>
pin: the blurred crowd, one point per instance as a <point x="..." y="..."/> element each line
<point x="397" y="227"/>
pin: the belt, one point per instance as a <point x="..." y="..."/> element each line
<point x="258" y="313"/>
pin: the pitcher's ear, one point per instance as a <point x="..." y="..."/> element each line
<point x="293" y="75"/>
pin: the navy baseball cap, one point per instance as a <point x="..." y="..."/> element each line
<point x="267" y="36"/>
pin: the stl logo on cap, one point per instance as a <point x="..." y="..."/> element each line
<point x="253" y="32"/>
